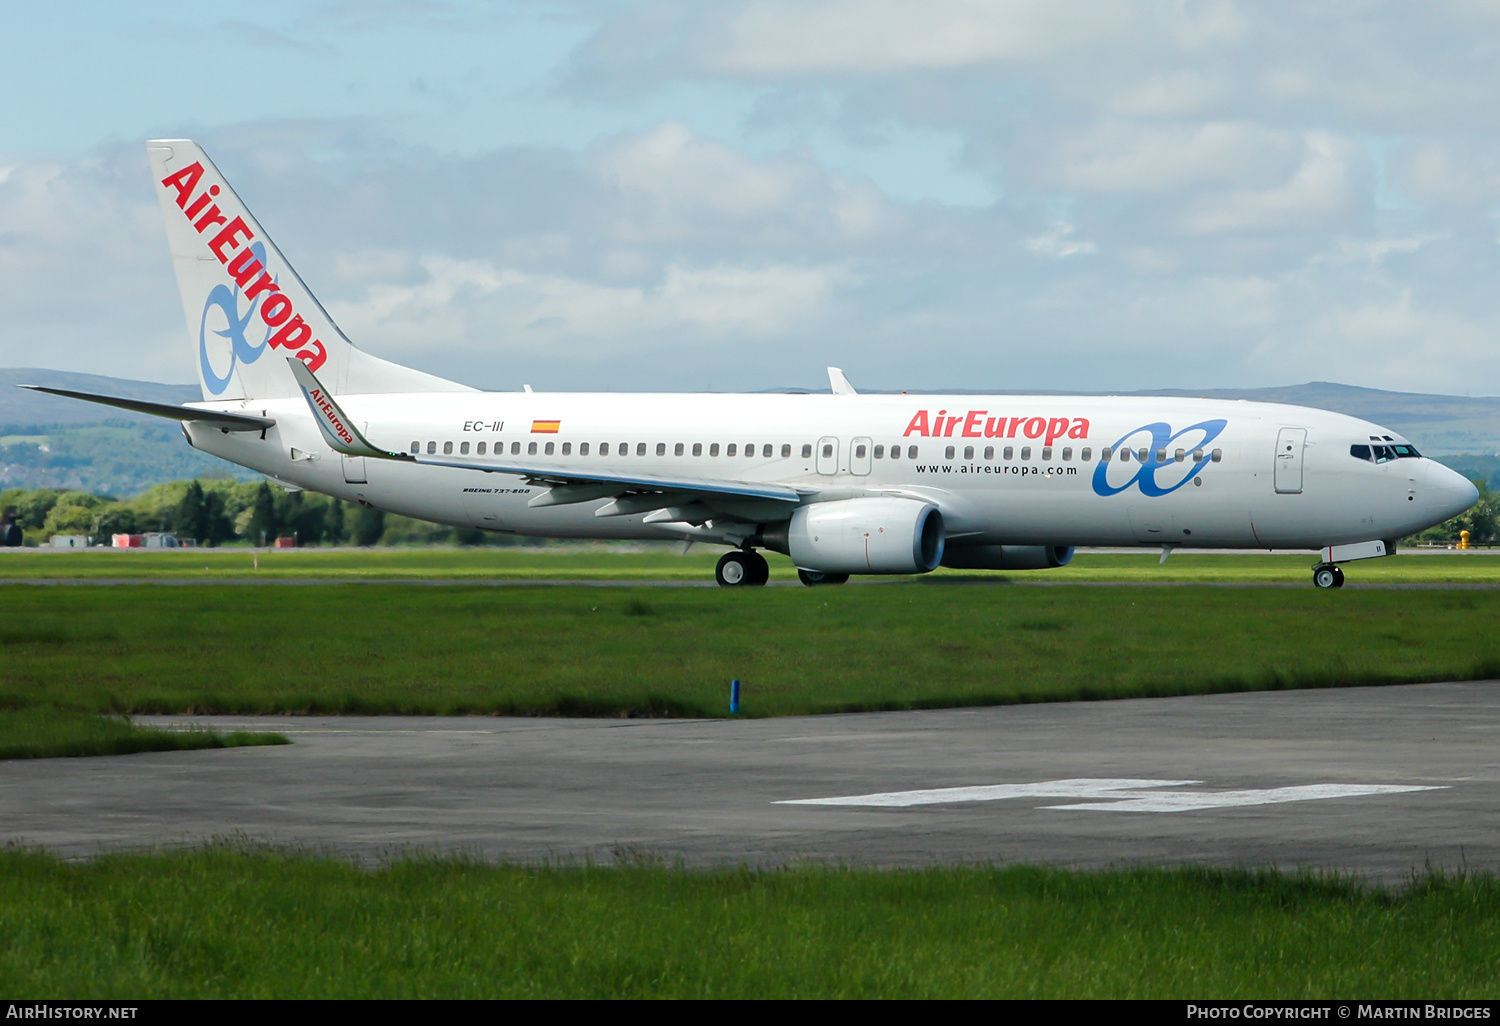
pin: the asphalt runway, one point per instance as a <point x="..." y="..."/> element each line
<point x="1381" y="781"/>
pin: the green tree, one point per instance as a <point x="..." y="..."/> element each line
<point x="113" y="520"/>
<point x="32" y="507"/>
<point x="261" y="529"/>
<point x="334" y="530"/>
<point x="369" y="525"/>
<point x="192" y="516"/>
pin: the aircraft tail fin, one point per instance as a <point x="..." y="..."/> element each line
<point x="242" y="298"/>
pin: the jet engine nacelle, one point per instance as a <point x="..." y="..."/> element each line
<point x="867" y="536"/>
<point x="1007" y="557"/>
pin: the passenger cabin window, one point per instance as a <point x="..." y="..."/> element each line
<point x="895" y="452"/>
<point x="603" y="448"/>
<point x="697" y="448"/>
<point x="567" y="449"/>
<point x="640" y="448"/>
<point x="1009" y="453"/>
<point x="1025" y="452"/>
<point x="879" y="452"/>
<point x="859" y="452"/>
<point x="447" y="448"/>
<point x="807" y="452"/>
<point x="480" y="448"/>
<point x="1104" y="454"/>
<point x="1067" y="453"/>
<point x="515" y="448"/>
<point x="1216" y="455"/>
<point x="531" y="449"/>
<point x="750" y="451"/>
<point x="583" y="448"/>
<point x="827" y="451"/>
<point x="677" y="449"/>
<point x="911" y="452"/>
<point x="1046" y="452"/>
<point x="1161" y="455"/>
<point x="732" y="449"/>
<point x="1087" y="454"/>
<point x="548" y="449"/>
<point x="766" y="452"/>
<point x="1124" y="455"/>
<point x="1197" y="455"/>
<point x="623" y="448"/>
<point x="661" y="448"/>
<point x="416" y="447"/>
<point x="1140" y="454"/>
<point x="989" y="452"/>
<point x="968" y="452"/>
<point x="463" y="448"/>
<point x="432" y="448"/>
<point x="713" y="450"/>
<point x="786" y="451"/>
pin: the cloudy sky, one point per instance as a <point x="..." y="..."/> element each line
<point x="679" y="195"/>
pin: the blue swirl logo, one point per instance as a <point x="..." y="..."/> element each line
<point x="227" y="302"/>
<point x="1160" y="472"/>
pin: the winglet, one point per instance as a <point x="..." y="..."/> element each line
<point x="338" y="430"/>
<point x="839" y="383"/>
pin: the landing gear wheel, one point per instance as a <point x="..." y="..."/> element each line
<point x="815" y="577"/>
<point x="1327" y="576"/>
<point x="734" y="570"/>
<point x="760" y="570"/>
<point x="1338" y="577"/>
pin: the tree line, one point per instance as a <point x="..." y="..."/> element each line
<point x="221" y="511"/>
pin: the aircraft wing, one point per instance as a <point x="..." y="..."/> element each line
<point x="575" y="482"/>
<point x="217" y="418"/>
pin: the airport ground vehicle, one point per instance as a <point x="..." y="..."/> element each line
<point x="842" y="483"/>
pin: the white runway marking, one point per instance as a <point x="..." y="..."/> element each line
<point x="1114" y="795"/>
<point x="1179" y="801"/>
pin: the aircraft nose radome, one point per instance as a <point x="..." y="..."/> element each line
<point x="1453" y="492"/>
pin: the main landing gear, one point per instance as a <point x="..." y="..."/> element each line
<point x="815" y="577"/>
<point x="1327" y="575"/>
<point x="742" y="568"/>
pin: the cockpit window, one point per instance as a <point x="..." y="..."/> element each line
<point x="1406" y="452"/>
<point x="1359" y="452"/>
<point x="1383" y="453"/>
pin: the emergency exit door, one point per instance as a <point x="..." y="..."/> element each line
<point x="1289" y="445"/>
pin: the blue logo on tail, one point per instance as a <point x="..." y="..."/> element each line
<point x="227" y="301"/>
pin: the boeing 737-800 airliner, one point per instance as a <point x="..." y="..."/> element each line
<point x="843" y="483"/>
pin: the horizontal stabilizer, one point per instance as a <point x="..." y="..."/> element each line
<point x="216" y="418"/>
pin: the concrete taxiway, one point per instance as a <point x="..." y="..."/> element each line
<point x="1381" y="781"/>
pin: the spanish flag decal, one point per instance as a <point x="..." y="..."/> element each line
<point x="545" y="427"/>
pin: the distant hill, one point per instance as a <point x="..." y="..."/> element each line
<point x="63" y="443"/>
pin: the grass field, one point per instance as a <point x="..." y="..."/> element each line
<point x="662" y="563"/>
<point x="38" y="733"/>
<point x="392" y="648"/>
<point x="227" y="923"/>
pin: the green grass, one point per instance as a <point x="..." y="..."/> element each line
<point x="605" y="562"/>
<point x="47" y="733"/>
<point x="231" y="923"/>
<point x="391" y="648"/>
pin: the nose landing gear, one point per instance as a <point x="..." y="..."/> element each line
<point x="742" y="568"/>
<point x="1328" y="575"/>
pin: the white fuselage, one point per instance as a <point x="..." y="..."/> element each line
<point x="1215" y="474"/>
